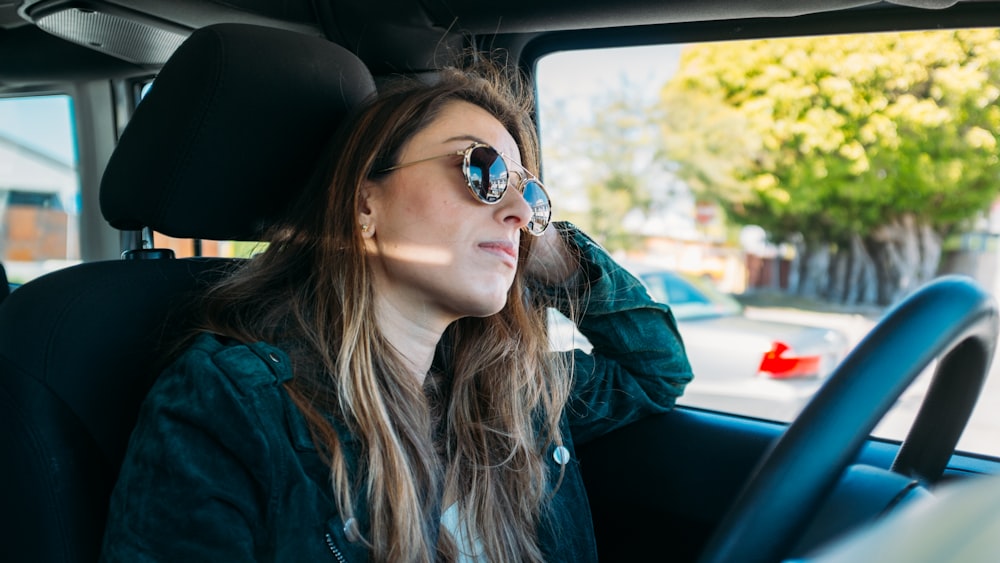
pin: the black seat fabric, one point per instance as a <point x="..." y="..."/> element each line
<point x="233" y="124"/>
<point x="4" y="284"/>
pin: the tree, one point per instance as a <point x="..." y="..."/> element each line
<point x="610" y="152"/>
<point x="889" y="140"/>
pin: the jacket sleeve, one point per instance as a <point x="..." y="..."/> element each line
<point x="638" y="365"/>
<point x="195" y="480"/>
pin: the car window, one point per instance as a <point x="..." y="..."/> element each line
<point x="815" y="180"/>
<point x="186" y="248"/>
<point x="658" y="290"/>
<point x="39" y="186"/>
<point x="679" y="292"/>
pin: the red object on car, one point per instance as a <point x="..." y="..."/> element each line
<point x="780" y="362"/>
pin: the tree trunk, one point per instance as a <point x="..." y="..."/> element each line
<point x="796" y="266"/>
<point x="815" y="269"/>
<point x="837" y="276"/>
<point x="905" y="254"/>
<point x="861" y="281"/>
<point x="930" y="253"/>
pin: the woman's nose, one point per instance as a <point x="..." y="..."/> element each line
<point x="513" y="208"/>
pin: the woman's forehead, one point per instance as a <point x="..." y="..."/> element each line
<point x="462" y="123"/>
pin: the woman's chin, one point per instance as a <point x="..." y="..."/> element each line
<point x="485" y="307"/>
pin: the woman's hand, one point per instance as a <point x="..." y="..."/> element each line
<point x="551" y="262"/>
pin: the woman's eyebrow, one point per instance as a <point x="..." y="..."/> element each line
<point x="472" y="138"/>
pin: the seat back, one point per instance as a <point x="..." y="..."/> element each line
<point x="4" y="284"/>
<point x="232" y="127"/>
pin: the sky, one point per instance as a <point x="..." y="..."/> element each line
<point x="587" y="74"/>
<point x="43" y="123"/>
<point x="574" y="81"/>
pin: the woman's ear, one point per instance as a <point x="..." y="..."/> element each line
<point x="367" y="205"/>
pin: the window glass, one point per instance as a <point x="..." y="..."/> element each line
<point x="186" y="248"/>
<point x="658" y="290"/>
<point x="817" y="180"/>
<point x="681" y="292"/>
<point x="39" y="186"/>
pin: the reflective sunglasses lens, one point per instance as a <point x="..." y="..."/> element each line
<point x="541" y="207"/>
<point x="487" y="174"/>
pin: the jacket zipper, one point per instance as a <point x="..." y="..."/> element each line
<point x="333" y="549"/>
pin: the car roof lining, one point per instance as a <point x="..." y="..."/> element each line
<point x="402" y="36"/>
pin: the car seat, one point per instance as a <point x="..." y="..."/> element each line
<point x="233" y="125"/>
<point x="4" y="284"/>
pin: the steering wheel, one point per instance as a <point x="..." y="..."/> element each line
<point x="951" y="318"/>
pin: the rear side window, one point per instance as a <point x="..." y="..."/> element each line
<point x="39" y="186"/>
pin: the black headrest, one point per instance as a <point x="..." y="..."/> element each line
<point x="230" y="130"/>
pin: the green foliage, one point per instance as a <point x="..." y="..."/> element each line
<point x="244" y="249"/>
<point x="619" y="144"/>
<point x="617" y="196"/>
<point x="834" y="136"/>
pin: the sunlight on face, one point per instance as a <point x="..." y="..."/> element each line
<point x="420" y="254"/>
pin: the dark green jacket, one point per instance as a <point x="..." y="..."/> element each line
<point x="221" y="466"/>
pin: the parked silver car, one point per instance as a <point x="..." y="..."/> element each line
<point x="756" y="367"/>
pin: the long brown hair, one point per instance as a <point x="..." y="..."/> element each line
<point x="475" y="433"/>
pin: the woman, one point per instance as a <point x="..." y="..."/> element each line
<point x="377" y="384"/>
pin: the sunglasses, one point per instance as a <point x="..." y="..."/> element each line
<point x="486" y="175"/>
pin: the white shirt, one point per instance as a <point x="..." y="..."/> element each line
<point x="470" y="549"/>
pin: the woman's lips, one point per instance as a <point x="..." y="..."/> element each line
<point x="504" y="249"/>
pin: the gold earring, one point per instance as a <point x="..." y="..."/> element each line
<point x="364" y="227"/>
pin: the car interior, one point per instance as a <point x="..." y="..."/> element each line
<point x="4" y="284"/>
<point x="244" y="96"/>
